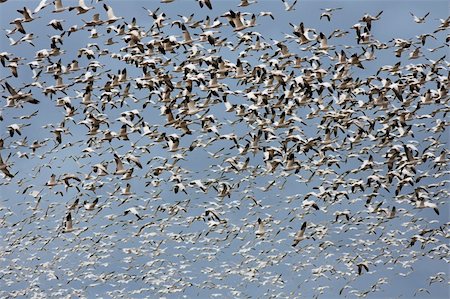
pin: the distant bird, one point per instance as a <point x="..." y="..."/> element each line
<point x="392" y="213"/>
<point x="206" y="3"/>
<point x="74" y="205"/>
<point x="53" y="181"/>
<point x="56" y="24"/>
<point x="300" y="235"/>
<point x="361" y="266"/>
<point x="42" y="4"/>
<point x="81" y="7"/>
<point x="289" y="7"/>
<point x="419" y="20"/>
<point x="27" y="14"/>
<point x="267" y="14"/>
<point x="245" y="3"/>
<point x="260" y="231"/>
<point x="15" y="129"/>
<point x="346" y="214"/>
<point x="424" y="204"/>
<point x="120" y="169"/>
<point x="133" y="211"/>
<point x="368" y="19"/>
<point x="310" y="203"/>
<point x="68" y="224"/>
<point x="89" y="206"/>
<point x="328" y="12"/>
<point x="110" y="14"/>
<point x="4" y="168"/>
<point x="326" y="15"/>
<point x="59" y="6"/>
<point x="18" y="26"/>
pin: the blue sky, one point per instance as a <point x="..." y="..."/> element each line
<point x="180" y="250"/>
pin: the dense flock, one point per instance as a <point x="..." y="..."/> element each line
<point x="148" y="153"/>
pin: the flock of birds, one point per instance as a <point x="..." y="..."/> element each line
<point x="177" y="155"/>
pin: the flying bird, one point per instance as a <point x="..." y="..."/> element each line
<point x="300" y="235"/>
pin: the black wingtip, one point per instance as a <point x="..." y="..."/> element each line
<point x="304" y="225"/>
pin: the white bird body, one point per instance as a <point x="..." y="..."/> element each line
<point x="90" y="206"/>
<point x="425" y="204"/>
<point x="300" y="235"/>
<point x="261" y="230"/>
<point x="68" y="224"/>
<point x="133" y="211"/>
<point x="289" y="7"/>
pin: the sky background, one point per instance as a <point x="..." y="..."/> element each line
<point x="109" y="258"/>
